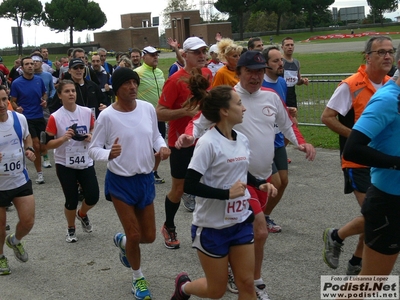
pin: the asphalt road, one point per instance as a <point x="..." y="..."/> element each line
<point x="90" y="268"/>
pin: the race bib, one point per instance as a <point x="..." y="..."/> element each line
<point x="291" y="77"/>
<point x="237" y="210"/>
<point x="76" y="157"/>
<point x="12" y="163"/>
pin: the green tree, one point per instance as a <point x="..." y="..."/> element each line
<point x="73" y="15"/>
<point x="383" y="6"/>
<point x="279" y="7"/>
<point x="26" y="11"/>
<point x="235" y="8"/>
<point x="174" y="5"/>
<point x="314" y="7"/>
<point x="261" y="21"/>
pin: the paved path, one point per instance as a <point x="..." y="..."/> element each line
<point x="90" y="268"/>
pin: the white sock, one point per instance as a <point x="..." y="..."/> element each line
<point x="137" y="274"/>
<point x="14" y="240"/>
<point x="258" y="281"/>
<point x="183" y="288"/>
<point x="123" y="242"/>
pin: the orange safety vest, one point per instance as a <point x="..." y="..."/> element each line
<point x="361" y="91"/>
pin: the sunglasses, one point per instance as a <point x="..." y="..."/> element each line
<point x="78" y="67"/>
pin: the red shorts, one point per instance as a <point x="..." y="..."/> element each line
<point x="258" y="199"/>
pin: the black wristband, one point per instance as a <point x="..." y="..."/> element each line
<point x="30" y="149"/>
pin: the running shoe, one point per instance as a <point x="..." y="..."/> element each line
<point x="180" y="280"/>
<point x="157" y="178"/>
<point x="189" y="202"/>
<point x="71" y="236"/>
<point x="261" y="292"/>
<point x="118" y="241"/>
<point x="272" y="226"/>
<point x="19" y="251"/>
<point x="332" y="249"/>
<point x="140" y="290"/>
<point x="170" y="240"/>
<point x="353" y="270"/>
<point x="4" y="268"/>
<point x="40" y="179"/>
<point x="46" y="164"/>
<point x="231" y="282"/>
<point x="86" y="225"/>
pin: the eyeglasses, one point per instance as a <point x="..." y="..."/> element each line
<point x="198" y="52"/>
<point x="382" y="52"/>
<point x="78" y="67"/>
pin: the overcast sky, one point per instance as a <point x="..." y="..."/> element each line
<point x="37" y="35"/>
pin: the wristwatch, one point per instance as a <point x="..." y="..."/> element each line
<point x="30" y="149"/>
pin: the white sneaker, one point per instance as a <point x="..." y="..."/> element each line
<point x="231" y="282"/>
<point x="71" y="236"/>
<point x="261" y="292"/>
<point x="46" y="164"/>
<point x="40" y="179"/>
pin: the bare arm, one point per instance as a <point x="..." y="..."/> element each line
<point x="329" y="118"/>
<point x="52" y="144"/>
<point x="166" y="114"/>
<point x="15" y="105"/>
<point x="302" y="80"/>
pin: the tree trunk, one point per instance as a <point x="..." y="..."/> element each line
<point x="240" y="18"/>
<point x="278" y="25"/>
<point x="19" y="40"/>
<point x="71" y="36"/>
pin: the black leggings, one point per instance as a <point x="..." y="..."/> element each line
<point x="69" y="179"/>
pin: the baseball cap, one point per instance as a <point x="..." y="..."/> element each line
<point x="213" y="48"/>
<point x="193" y="43"/>
<point x="75" y="62"/>
<point x="252" y="60"/>
<point x="150" y="50"/>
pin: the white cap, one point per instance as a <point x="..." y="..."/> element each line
<point x="150" y="49"/>
<point x="213" y="48"/>
<point x="193" y="43"/>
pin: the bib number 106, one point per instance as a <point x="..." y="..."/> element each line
<point x="12" y="166"/>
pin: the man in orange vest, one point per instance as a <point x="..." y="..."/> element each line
<point x="342" y="111"/>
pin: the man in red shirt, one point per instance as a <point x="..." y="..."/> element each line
<point x="169" y="108"/>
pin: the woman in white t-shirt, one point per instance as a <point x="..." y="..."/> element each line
<point x="222" y="230"/>
<point x="70" y="128"/>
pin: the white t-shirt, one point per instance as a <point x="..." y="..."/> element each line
<point x="264" y="110"/>
<point x="72" y="154"/>
<point x="222" y="163"/>
<point x="138" y="135"/>
<point x="13" y="173"/>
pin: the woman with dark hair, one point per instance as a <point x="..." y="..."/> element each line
<point x="70" y="128"/>
<point x="222" y="230"/>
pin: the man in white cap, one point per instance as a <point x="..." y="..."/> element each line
<point x="214" y="64"/>
<point x="151" y="84"/>
<point x="169" y="108"/>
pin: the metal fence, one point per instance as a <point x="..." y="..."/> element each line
<point x="312" y="99"/>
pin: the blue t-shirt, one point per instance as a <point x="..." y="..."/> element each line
<point x="380" y="121"/>
<point x="48" y="83"/>
<point x="280" y="88"/>
<point x="29" y="94"/>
